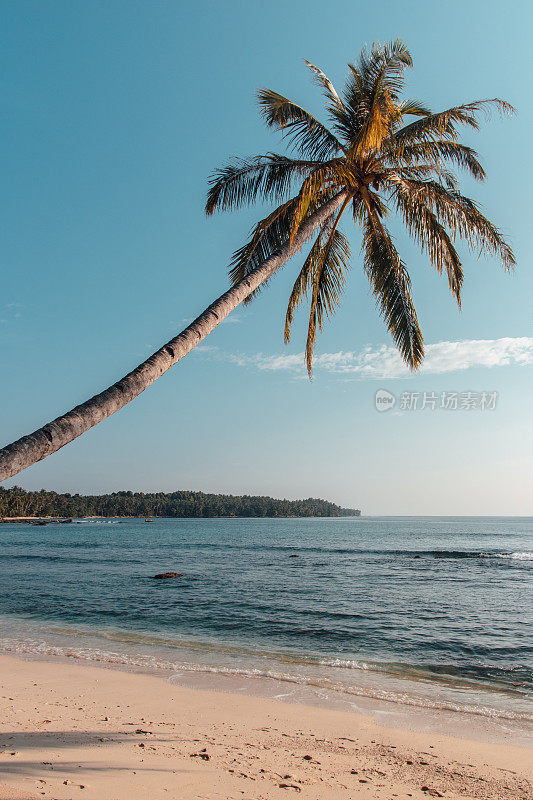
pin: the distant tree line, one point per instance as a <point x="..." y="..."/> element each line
<point x="17" y="502"/>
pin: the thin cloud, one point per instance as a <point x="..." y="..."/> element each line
<point x="384" y="362"/>
<point x="231" y="320"/>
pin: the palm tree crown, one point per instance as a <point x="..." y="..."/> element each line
<point x="377" y="161"/>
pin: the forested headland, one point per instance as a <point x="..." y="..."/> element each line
<point x="17" y="502"/>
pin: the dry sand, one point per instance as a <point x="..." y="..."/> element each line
<point x="74" y="731"/>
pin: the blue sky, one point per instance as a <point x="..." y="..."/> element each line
<point x="114" y="114"/>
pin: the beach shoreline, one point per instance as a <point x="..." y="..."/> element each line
<point x="392" y="710"/>
<point x="129" y="735"/>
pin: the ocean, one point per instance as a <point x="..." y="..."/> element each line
<point x="433" y="613"/>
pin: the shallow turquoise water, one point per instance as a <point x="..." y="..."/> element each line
<point x="425" y="610"/>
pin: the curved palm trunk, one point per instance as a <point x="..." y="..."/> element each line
<point x="51" y="437"/>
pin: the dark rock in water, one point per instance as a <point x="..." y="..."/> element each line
<point x="163" y="575"/>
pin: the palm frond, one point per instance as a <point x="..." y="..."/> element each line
<point x="302" y="282"/>
<point x="391" y="285"/>
<point x="438" y="152"/>
<point x="462" y="217"/>
<point x="331" y="175"/>
<point x="420" y="172"/>
<point x="375" y="128"/>
<point x="267" y="177"/>
<point x="382" y="66"/>
<point x="326" y="280"/>
<point x="444" y="123"/>
<point x="355" y="103"/>
<point x="372" y="95"/>
<point x="359" y="210"/>
<point x="413" y="108"/>
<point x="425" y="228"/>
<point x="371" y="91"/>
<point x="268" y="236"/>
<point x="335" y="102"/>
<point x="303" y="131"/>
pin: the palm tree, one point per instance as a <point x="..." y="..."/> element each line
<point x="370" y="160"/>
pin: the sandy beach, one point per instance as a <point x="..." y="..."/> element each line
<point x="70" y="730"/>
